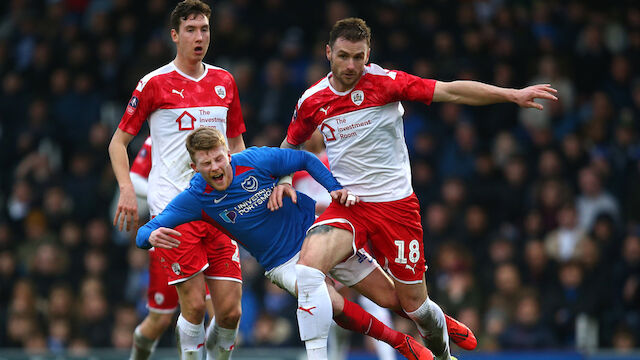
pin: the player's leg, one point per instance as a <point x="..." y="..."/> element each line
<point x="347" y="314"/>
<point x="383" y="350"/>
<point x="147" y="334"/>
<point x="362" y="272"/>
<point x="323" y="248"/>
<point x="398" y="245"/>
<point x="224" y="279"/>
<point x="162" y="301"/>
<point x="190" y="325"/>
<point x="184" y="268"/>
<point x="223" y="329"/>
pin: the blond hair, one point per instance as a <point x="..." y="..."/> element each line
<point x="204" y="138"/>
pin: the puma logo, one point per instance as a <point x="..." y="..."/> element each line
<point x="412" y="268"/>
<point x="174" y="91"/>
<point x="324" y="110"/>
<point x="307" y="310"/>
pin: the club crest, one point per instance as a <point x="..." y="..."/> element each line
<point x="221" y="91"/>
<point x="176" y="268"/>
<point x="357" y="97"/>
<point x="250" y="184"/>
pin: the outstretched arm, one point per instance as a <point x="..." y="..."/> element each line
<point x="477" y="93"/>
<point x="158" y="232"/>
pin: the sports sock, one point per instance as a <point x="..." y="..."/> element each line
<point x="220" y="341"/>
<point x="432" y="326"/>
<point x="191" y="338"/>
<point x="383" y="350"/>
<point x="314" y="311"/>
<point x="142" y="347"/>
<point x="354" y="318"/>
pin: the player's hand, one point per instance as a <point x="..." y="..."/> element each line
<point x="525" y="97"/>
<point x="128" y="208"/>
<point x="345" y="197"/>
<point x="164" y="238"/>
<point x="279" y="192"/>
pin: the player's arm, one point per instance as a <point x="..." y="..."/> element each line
<point x="285" y="161"/>
<point x="236" y="144"/>
<point x="127" y="202"/>
<point x="477" y="93"/>
<point x="286" y="145"/>
<point x="159" y="231"/>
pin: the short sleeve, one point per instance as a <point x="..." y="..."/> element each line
<point x="138" y="109"/>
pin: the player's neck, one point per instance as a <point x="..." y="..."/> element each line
<point x="193" y="69"/>
<point x="338" y="85"/>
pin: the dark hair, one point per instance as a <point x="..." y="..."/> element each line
<point x="184" y="9"/>
<point x="352" y="29"/>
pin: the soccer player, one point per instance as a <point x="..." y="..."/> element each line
<point x="232" y="193"/>
<point x="177" y="98"/>
<point x="162" y="298"/>
<point x="357" y="108"/>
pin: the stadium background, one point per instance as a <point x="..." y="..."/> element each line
<point x="532" y="219"/>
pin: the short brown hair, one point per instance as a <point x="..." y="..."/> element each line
<point x="204" y="138"/>
<point x="352" y="29"/>
<point x="184" y="9"/>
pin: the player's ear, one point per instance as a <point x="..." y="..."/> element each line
<point x="174" y="35"/>
<point x="328" y="51"/>
<point x="193" y="166"/>
<point x="366" y="57"/>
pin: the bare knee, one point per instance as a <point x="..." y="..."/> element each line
<point x="193" y="308"/>
<point x="230" y="317"/>
<point x="412" y="297"/>
<point x="155" y="324"/>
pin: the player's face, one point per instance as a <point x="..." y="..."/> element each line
<point x="192" y="41"/>
<point x="347" y="60"/>
<point x="215" y="167"/>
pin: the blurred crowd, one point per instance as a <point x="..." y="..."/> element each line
<point x="531" y="218"/>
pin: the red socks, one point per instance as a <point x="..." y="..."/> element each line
<point x="354" y="318"/>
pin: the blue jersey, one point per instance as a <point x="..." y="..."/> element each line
<point x="272" y="237"/>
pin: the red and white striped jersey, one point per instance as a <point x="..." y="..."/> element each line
<point x="363" y="130"/>
<point x="175" y="103"/>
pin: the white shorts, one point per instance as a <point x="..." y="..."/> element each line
<point x="349" y="272"/>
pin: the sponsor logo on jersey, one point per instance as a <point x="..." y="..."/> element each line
<point x="229" y="216"/>
<point x="176" y="268"/>
<point x="357" y="97"/>
<point x="328" y="132"/>
<point x="133" y="104"/>
<point x="250" y="184"/>
<point x="221" y="91"/>
<point x="158" y="298"/>
<point x="325" y="110"/>
<point x="186" y="121"/>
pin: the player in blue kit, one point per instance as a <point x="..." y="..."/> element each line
<point x="232" y="194"/>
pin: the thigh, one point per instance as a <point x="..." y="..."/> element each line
<point x="161" y="297"/>
<point x="225" y="295"/>
<point x="188" y="259"/>
<point x="379" y="288"/>
<point x="332" y="238"/>
<point x="223" y="256"/>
